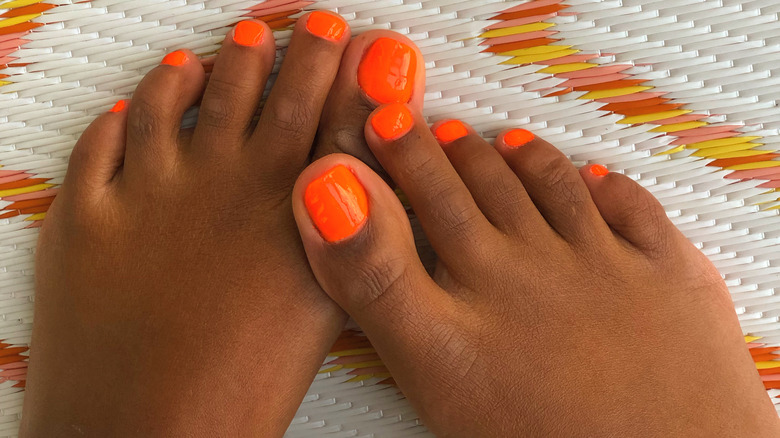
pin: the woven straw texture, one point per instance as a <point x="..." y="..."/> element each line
<point x="681" y="95"/>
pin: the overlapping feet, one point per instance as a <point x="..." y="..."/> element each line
<point x="564" y="301"/>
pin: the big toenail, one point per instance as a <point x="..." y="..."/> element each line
<point x="175" y="59"/>
<point x="598" y="170"/>
<point x="392" y="121"/>
<point x="248" y="33"/>
<point x="518" y="137"/>
<point x="324" y="25"/>
<point x="337" y="203"/>
<point x="121" y="105"/>
<point x="386" y="72"/>
<point x="450" y="131"/>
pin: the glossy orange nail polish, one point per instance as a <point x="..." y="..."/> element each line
<point x="450" y="131"/>
<point x="392" y="121"/>
<point x="337" y="203"/>
<point x="517" y="137"/>
<point x="119" y="107"/>
<point x="248" y="33"/>
<point x="324" y="25"/>
<point x="598" y="170"/>
<point x="175" y="59"/>
<point x="386" y="72"/>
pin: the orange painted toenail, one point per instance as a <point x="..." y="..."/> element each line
<point x="386" y="72"/>
<point x="121" y="105"/>
<point x="598" y="170"/>
<point x="175" y="59"/>
<point x="392" y="121"/>
<point x="518" y="137"/>
<point x="450" y="131"/>
<point x="324" y="25"/>
<point x="337" y="203"/>
<point x="248" y="33"/>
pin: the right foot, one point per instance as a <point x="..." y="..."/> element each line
<point x="564" y="301"/>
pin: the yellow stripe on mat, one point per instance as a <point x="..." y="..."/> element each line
<point x="711" y="152"/>
<point x="18" y="4"/>
<point x="647" y="118"/>
<point x="17" y="20"/>
<point x="23" y="190"/>
<point x="533" y="27"/>
<point x="602" y="94"/>
<point x="567" y="68"/>
<point x="678" y="127"/>
<point x="720" y="142"/>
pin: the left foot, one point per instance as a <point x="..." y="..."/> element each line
<point x="170" y="267"/>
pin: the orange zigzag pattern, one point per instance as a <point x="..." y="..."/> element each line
<point x="523" y="34"/>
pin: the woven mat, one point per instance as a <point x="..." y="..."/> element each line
<point x="681" y="95"/>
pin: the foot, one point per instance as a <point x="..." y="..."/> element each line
<point x="564" y="303"/>
<point x="170" y="267"/>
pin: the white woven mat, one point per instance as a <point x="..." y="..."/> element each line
<point x="719" y="59"/>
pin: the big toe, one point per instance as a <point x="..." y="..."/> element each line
<point x="378" y="67"/>
<point x="360" y="246"/>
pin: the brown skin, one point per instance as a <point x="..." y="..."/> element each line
<point x="169" y="269"/>
<point x="563" y="303"/>
<point x="170" y="265"/>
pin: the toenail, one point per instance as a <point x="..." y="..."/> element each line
<point x="392" y="121"/>
<point x="598" y="170"/>
<point x="450" y="131"/>
<point x="518" y="137"/>
<point x="324" y="25"/>
<point x="175" y="59"/>
<point x="386" y="72"/>
<point x="248" y="33"/>
<point x="337" y="203"/>
<point x="121" y="105"/>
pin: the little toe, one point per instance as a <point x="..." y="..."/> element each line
<point x="235" y="86"/>
<point x="630" y="210"/>
<point x="159" y="103"/>
<point x="378" y="67"/>
<point x="406" y="148"/>
<point x="554" y="185"/>
<point x="99" y="154"/>
<point x="292" y="113"/>
<point x="494" y="186"/>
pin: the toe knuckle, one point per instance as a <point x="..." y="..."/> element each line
<point x="146" y="118"/>
<point x="562" y="181"/>
<point x="458" y="219"/>
<point x="219" y="108"/>
<point x="420" y="169"/>
<point x="379" y="281"/>
<point x="291" y="116"/>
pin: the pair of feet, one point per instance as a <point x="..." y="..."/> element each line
<point x="192" y="281"/>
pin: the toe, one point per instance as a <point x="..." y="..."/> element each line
<point x="235" y="86"/>
<point x="292" y="113"/>
<point x="630" y="210"/>
<point x="494" y="186"/>
<point x="554" y="185"/>
<point x="406" y="148"/>
<point x="378" y="67"/>
<point x="154" y="118"/>
<point x="359" y="244"/>
<point x="99" y="154"/>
